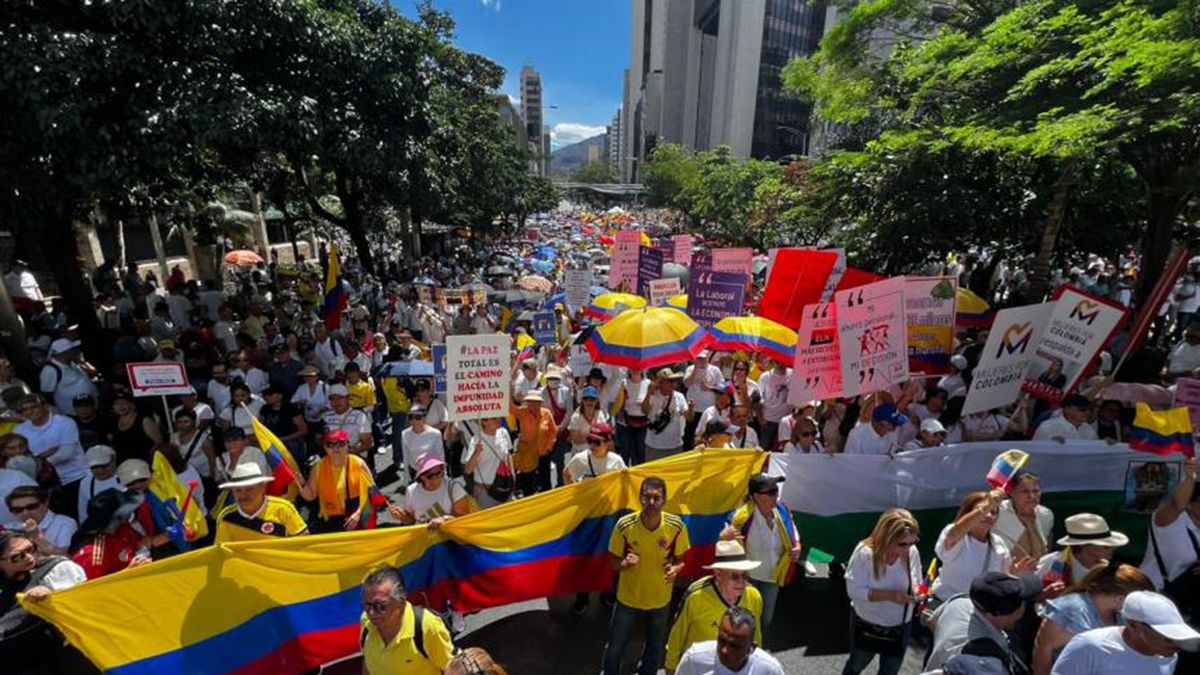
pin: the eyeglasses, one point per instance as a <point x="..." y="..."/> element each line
<point x="774" y="492"/>
<point x="807" y="434"/>
<point x="739" y="576"/>
<point x="337" y="444"/>
<point x="432" y="475"/>
<point x="20" y="555"/>
<point x="376" y="607"/>
<point x="22" y="508"/>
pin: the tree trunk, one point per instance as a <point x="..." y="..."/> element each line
<point x="57" y="239"/>
<point x="122" y="263"/>
<point x="12" y="338"/>
<point x="355" y="224"/>
<point x="1040" y="275"/>
<point x="260" y="225"/>
<point x="1164" y="207"/>
<point x="159" y="252"/>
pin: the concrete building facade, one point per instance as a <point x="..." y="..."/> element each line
<point x="531" y="112"/>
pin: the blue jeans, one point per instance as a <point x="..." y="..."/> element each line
<point x="631" y="444"/>
<point x="399" y="422"/>
<point x="859" y="659"/>
<point x="620" y="629"/>
<point x="770" y="594"/>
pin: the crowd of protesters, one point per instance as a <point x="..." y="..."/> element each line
<point x="79" y="454"/>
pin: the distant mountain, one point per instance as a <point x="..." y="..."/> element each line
<point x="567" y="159"/>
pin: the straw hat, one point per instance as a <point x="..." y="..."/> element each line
<point x="1089" y="528"/>
<point x="245" y="475"/>
<point x="731" y="556"/>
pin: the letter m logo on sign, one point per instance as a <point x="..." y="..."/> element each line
<point x="1016" y="339"/>
<point x="1086" y="311"/>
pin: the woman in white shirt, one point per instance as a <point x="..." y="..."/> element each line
<point x="596" y="460"/>
<point x="196" y="448"/>
<point x="242" y="409"/>
<point x="582" y="420"/>
<point x="1023" y="524"/>
<point x="883" y="579"/>
<point x="631" y="420"/>
<point x="483" y="455"/>
<point x="968" y="548"/>
<point x="803" y="439"/>
<point x="433" y="498"/>
<point x="313" y="396"/>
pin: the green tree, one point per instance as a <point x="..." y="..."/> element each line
<point x="668" y="174"/>
<point x="595" y="172"/>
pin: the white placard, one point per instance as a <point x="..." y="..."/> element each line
<point x="1079" y="326"/>
<point x="661" y="289"/>
<point x="872" y="339"/>
<point x="478" y="368"/>
<point x="817" y="370"/>
<point x="578" y="285"/>
<point x="158" y="378"/>
<point x="996" y="381"/>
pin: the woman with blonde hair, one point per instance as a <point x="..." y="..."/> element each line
<point x="882" y="580"/>
<point x="1095" y="602"/>
<point x="474" y="661"/>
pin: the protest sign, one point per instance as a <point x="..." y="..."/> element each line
<point x="578" y="285"/>
<point x="661" y="289"/>
<point x="835" y="275"/>
<point x="1006" y="356"/>
<point x="732" y="260"/>
<point x="477" y="372"/>
<point x="817" y="370"/>
<point x="929" y="319"/>
<point x="624" y="266"/>
<point x="1187" y="395"/>
<point x="1079" y="326"/>
<point x="543" y="328"/>
<point x="683" y="248"/>
<point x="165" y="378"/>
<point x="650" y="266"/>
<point x="712" y="296"/>
<point x="439" y="367"/>
<point x="871" y="339"/>
<point x="796" y="278"/>
<point x="667" y="246"/>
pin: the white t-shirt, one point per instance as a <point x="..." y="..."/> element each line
<point x="583" y="465"/>
<point x="899" y="576"/>
<point x="1174" y="547"/>
<point x="203" y="412"/>
<point x="774" y="388"/>
<point x="1189" y="304"/>
<point x="435" y="413"/>
<point x="354" y="422"/>
<point x="496" y="448"/>
<point x="579" y="423"/>
<point x="218" y="395"/>
<point x="966" y="560"/>
<point x="862" y="440"/>
<point x="9" y="481"/>
<point x="237" y="416"/>
<point x="701" y="659"/>
<point x="57" y="528"/>
<point x="634" y="393"/>
<point x="195" y="446"/>
<point x="250" y="454"/>
<point x="1059" y="427"/>
<point x="763" y="544"/>
<point x="984" y="425"/>
<point x="90" y="487"/>
<point x="1103" y="650"/>
<point x="315" y="400"/>
<point x="672" y="435"/>
<point x="253" y="377"/>
<point x="425" y="505"/>
<point x="1184" y="358"/>
<point x="60" y="431"/>
<point x="749" y="439"/>
<point x="189" y="474"/>
<point x="65" y="381"/>
<point x="416" y="444"/>
<point x="700" y="390"/>
<point x="64" y="575"/>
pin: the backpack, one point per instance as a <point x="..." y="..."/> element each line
<point x="418" y="632"/>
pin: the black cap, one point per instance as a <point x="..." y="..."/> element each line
<point x="761" y="482"/>
<point x="716" y="426"/>
<point x="998" y="593"/>
<point x="234" y="432"/>
<point x="597" y="373"/>
<point x="84" y="399"/>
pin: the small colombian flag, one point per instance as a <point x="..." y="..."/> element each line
<point x="1004" y="467"/>
<point x="1163" y="432"/>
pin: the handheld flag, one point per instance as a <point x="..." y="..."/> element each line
<point x="335" y="294"/>
<point x="1162" y="432"/>
<point x="1004" y="467"/>
<point x="172" y="507"/>
<point x="283" y="466"/>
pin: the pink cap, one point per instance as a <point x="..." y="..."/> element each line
<point x="427" y="462"/>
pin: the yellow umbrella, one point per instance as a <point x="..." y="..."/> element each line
<point x="647" y="337"/>
<point x="756" y="334"/>
<point x="678" y="301"/>
<point x="605" y="306"/>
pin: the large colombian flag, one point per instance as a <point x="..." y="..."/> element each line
<point x="335" y="294"/>
<point x="1162" y="433"/>
<point x="285" y="606"/>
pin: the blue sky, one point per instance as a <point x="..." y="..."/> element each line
<point x="580" y="47"/>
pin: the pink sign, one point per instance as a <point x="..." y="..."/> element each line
<point x="683" y="249"/>
<point x="624" y="268"/>
<point x="732" y="260"/>
<point x="1187" y="394"/>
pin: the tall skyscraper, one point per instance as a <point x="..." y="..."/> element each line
<point x="531" y="112"/>
<point x="705" y="73"/>
<point x="614" y="145"/>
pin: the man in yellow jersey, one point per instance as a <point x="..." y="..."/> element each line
<point x="708" y="598"/>
<point x="253" y="515"/>
<point x="646" y="548"/>
<point x="396" y="636"/>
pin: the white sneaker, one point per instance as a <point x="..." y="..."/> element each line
<point x="810" y="569"/>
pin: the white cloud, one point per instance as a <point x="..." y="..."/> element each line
<point x="493" y="5"/>
<point x="566" y="133"/>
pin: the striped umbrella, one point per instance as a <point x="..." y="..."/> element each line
<point x="647" y="338"/>
<point x="604" y="307"/>
<point x="755" y="334"/>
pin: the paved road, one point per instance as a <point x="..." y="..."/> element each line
<point x="543" y="637"/>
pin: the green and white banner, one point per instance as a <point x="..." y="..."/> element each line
<point x="837" y="498"/>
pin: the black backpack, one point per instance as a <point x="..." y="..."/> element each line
<point x="418" y="632"/>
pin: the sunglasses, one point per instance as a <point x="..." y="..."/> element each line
<point x="807" y="434"/>
<point x="21" y="555"/>
<point x="375" y="607"/>
<point x="416" y="417"/>
<point x="774" y="492"/>
<point x="22" y="508"/>
<point x="337" y="444"/>
<point x="435" y="474"/>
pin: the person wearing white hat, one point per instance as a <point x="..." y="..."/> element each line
<point x="254" y="515"/>
<point x="954" y="380"/>
<point x="1148" y="643"/>
<point x="1088" y="543"/>
<point x="708" y="597"/>
<point x="66" y="375"/>
<point x="931" y="435"/>
<point x="666" y="411"/>
<point x="101" y="461"/>
<point x="355" y="423"/>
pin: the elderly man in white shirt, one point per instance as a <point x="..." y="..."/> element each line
<point x="877" y="437"/>
<point x="1071" y="425"/>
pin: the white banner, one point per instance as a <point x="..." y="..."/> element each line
<point x="661" y="289"/>
<point x="1006" y="357"/>
<point x="158" y="378"/>
<point x="872" y="339"/>
<point x="830" y="485"/>
<point x="478" y="368"/>
<point x="1079" y="326"/>
<point x="817" y="370"/>
<point x="578" y="285"/>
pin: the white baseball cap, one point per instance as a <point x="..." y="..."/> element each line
<point x="959" y="361"/>
<point x="338" y="390"/>
<point x="99" y="455"/>
<point x="933" y="426"/>
<point x="1158" y="612"/>
<point x="132" y="470"/>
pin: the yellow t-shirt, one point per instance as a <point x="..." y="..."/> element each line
<point x="701" y="614"/>
<point x="361" y="396"/>
<point x="400" y="656"/>
<point x="276" y="518"/>
<point x="642" y="586"/>
<point x="393" y="393"/>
